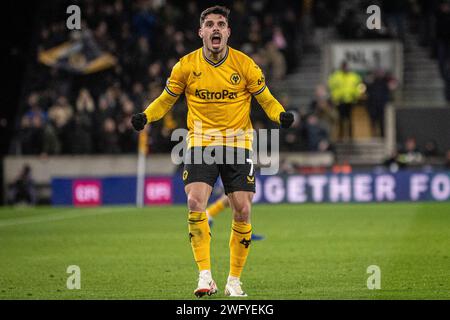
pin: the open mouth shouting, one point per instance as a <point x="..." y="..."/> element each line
<point x="216" y="40"/>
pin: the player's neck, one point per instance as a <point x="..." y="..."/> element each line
<point x="214" y="56"/>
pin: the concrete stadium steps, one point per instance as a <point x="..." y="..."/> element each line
<point x="301" y="84"/>
<point x="370" y="151"/>
<point x="423" y="85"/>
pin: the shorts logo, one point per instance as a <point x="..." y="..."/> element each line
<point x="250" y="179"/>
<point x="235" y="78"/>
<point x="185" y="175"/>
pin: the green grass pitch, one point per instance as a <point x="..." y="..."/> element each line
<point x="310" y="252"/>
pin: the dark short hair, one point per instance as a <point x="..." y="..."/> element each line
<point x="223" y="11"/>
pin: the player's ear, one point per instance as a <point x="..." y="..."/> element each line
<point x="200" y="33"/>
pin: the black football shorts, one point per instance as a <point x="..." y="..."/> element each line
<point x="234" y="165"/>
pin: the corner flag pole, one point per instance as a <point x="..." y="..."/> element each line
<point x="142" y="154"/>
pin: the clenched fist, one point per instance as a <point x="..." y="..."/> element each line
<point x="286" y="119"/>
<point x="138" y="121"/>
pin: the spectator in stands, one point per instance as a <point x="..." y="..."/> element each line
<point x="345" y="91"/>
<point x="37" y="134"/>
<point x="61" y="111"/>
<point x="81" y="134"/>
<point x="293" y="138"/>
<point x="85" y="102"/>
<point x="154" y="73"/>
<point x="430" y="149"/>
<point x="23" y="190"/>
<point x="34" y="107"/>
<point x="138" y="95"/>
<point x="103" y="112"/>
<point x="82" y="124"/>
<point x="109" y="139"/>
<point x="393" y="163"/>
<point x="127" y="135"/>
<point x="276" y="62"/>
<point x="60" y="116"/>
<point x="379" y="88"/>
<point x="50" y="140"/>
<point x="322" y="107"/>
<point x="410" y="154"/>
<point x="26" y="135"/>
<point x="255" y="33"/>
<point x="145" y="21"/>
<point x="317" y="134"/>
<point x="141" y="58"/>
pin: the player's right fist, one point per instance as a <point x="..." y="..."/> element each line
<point x="138" y="121"/>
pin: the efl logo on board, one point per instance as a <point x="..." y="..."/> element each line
<point x="87" y="193"/>
<point x="158" y="191"/>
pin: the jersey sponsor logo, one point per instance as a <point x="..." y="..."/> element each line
<point x="235" y="78"/>
<point x="215" y="95"/>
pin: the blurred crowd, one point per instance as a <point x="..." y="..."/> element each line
<point x="72" y="113"/>
<point x="410" y="154"/>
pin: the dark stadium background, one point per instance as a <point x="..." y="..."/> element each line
<point x="411" y="56"/>
<point x="295" y="66"/>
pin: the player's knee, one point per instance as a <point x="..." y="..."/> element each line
<point x="195" y="203"/>
<point x="242" y="212"/>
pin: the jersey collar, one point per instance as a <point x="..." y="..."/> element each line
<point x="218" y="63"/>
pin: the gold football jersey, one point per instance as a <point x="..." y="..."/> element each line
<point x="218" y="96"/>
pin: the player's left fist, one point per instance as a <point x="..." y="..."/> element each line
<point x="286" y="119"/>
<point x="138" y="121"/>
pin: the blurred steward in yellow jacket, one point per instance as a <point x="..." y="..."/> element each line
<point x="345" y="89"/>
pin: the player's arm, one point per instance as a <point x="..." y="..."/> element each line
<point x="161" y="105"/>
<point x="274" y="110"/>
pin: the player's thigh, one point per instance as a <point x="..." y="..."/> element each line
<point x="199" y="179"/>
<point x="241" y="203"/>
<point x="240" y="175"/>
<point x="197" y="195"/>
<point x="196" y="170"/>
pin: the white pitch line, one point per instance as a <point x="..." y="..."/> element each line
<point x="60" y="215"/>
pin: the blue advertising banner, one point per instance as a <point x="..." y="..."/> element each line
<point x="357" y="187"/>
<point x="331" y="188"/>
